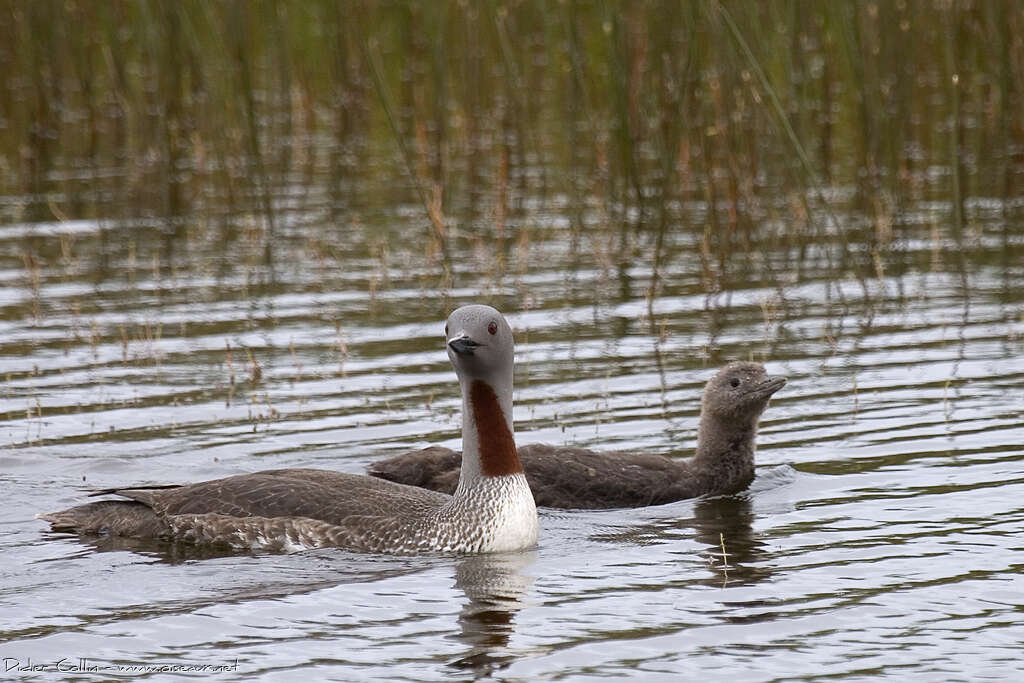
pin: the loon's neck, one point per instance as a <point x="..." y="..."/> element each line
<point x="488" y="442"/>
<point x="725" y="453"/>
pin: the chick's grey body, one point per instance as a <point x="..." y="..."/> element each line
<point x="290" y="509"/>
<point x="569" y="477"/>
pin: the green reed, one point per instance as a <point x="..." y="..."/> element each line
<point x="201" y="108"/>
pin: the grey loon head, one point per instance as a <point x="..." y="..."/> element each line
<point x="480" y="344"/>
<point x="739" y="392"/>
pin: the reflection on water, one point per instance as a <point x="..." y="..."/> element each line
<point x="725" y="523"/>
<point x="496" y="589"/>
<point x="171" y="552"/>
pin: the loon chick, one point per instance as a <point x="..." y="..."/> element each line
<point x="569" y="477"/>
<point x="491" y="509"/>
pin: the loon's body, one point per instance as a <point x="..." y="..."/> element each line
<point x="490" y="510"/>
<point x="570" y="477"/>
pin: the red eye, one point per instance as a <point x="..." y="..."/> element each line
<point x="493" y="327"/>
<point x="446" y="330"/>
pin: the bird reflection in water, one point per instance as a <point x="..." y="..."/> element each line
<point x="725" y="524"/>
<point x="495" y="588"/>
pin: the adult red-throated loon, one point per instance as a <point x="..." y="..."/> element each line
<point x="490" y="510"/>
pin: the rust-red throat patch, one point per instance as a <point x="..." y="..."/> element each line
<point x="497" y="446"/>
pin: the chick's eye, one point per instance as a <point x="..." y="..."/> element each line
<point x="492" y="328"/>
<point x="734" y="382"/>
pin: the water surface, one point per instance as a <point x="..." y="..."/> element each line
<point x="179" y="307"/>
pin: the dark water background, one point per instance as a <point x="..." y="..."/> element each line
<point x="230" y="234"/>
